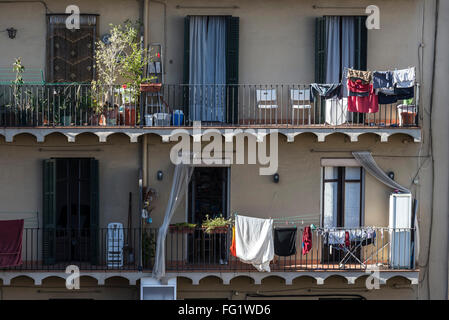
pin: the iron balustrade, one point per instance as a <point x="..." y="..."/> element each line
<point x="242" y="105"/>
<point x="186" y="250"/>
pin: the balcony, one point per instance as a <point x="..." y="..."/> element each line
<point x="82" y="108"/>
<point x="194" y="250"/>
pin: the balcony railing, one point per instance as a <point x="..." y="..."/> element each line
<point x="79" y="105"/>
<point x="191" y="250"/>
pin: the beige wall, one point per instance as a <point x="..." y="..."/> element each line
<point x="277" y="37"/>
<point x="21" y="173"/>
<point x="299" y="189"/>
<point x="30" y="21"/>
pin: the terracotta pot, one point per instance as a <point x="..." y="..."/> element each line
<point x="176" y="229"/>
<point x="150" y="87"/>
<point x="408" y="118"/>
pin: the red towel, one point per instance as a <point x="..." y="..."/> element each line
<point x="306" y="241"/>
<point x="369" y="104"/>
<point x="11" y="243"/>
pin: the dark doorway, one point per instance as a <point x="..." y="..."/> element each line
<point x="208" y="191"/>
<point x="72" y="209"/>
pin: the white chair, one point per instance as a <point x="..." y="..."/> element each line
<point x="115" y="241"/>
<point x="266" y="99"/>
<point x="299" y="97"/>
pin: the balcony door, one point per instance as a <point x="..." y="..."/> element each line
<point x="208" y="195"/>
<point x="211" y="68"/>
<point x="70" y="212"/>
<point x="342" y="204"/>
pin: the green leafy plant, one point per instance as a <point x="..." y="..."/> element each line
<point x="219" y="222"/>
<point x="148" y="247"/>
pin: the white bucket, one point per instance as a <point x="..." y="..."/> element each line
<point x="149" y="120"/>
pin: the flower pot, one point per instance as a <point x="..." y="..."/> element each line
<point x="181" y="229"/>
<point x="408" y="118"/>
<point x="150" y="87"/>
<point x="130" y="116"/>
<point x="216" y="230"/>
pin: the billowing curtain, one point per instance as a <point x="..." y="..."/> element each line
<point x="366" y="160"/>
<point x="207" y="68"/>
<point x="347" y="48"/>
<point x="181" y="179"/>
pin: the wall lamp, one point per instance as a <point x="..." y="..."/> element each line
<point x="160" y="175"/>
<point x="11" y="32"/>
<point x="391" y="175"/>
<point x="276" y="178"/>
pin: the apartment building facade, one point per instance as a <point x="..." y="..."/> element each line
<point x="70" y="172"/>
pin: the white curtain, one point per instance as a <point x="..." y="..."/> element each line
<point x="181" y="179"/>
<point x="207" y="65"/>
<point x="366" y="160"/>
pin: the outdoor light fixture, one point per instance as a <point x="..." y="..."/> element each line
<point x="11" y="32"/>
<point x="160" y="175"/>
<point x="276" y="178"/>
<point x="391" y="175"/>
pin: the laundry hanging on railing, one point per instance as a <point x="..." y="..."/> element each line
<point x="254" y="241"/>
<point x="11" y="232"/>
<point x="285" y="241"/>
<point x="306" y="240"/>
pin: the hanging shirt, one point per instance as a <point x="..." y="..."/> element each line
<point x="232" y="248"/>
<point x="306" y="241"/>
<point x="367" y="104"/>
<point x="382" y="79"/>
<point x="326" y="91"/>
<point x="365" y="76"/>
<point x="285" y="241"/>
<point x="404" y="78"/>
<point x="358" y="88"/>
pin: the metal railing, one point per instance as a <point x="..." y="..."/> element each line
<point x="188" y="250"/>
<point x="284" y="105"/>
<point x="387" y="249"/>
<point x="48" y="249"/>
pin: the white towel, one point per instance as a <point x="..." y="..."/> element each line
<point x="254" y="241"/>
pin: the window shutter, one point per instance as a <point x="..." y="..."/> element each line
<point x="320" y="50"/>
<point x="186" y="70"/>
<point x="361" y="43"/>
<point x="94" y="210"/>
<point x="232" y="66"/>
<point x="49" y="211"/>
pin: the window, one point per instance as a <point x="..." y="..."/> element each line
<point x="342" y="197"/>
<point x="70" y="52"/>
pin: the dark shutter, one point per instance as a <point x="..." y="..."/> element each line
<point x="49" y="211"/>
<point x="186" y="69"/>
<point x="320" y="50"/>
<point x="94" y="210"/>
<point x="361" y="43"/>
<point x="232" y="66"/>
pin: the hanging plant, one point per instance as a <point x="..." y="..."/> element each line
<point x="216" y="225"/>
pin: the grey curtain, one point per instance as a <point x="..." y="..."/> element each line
<point x="207" y="68"/>
<point x="181" y="179"/>
<point x="332" y="49"/>
<point x="347" y="48"/>
<point x="366" y="160"/>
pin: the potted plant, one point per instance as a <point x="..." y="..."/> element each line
<point x="216" y="225"/>
<point x="182" y="227"/>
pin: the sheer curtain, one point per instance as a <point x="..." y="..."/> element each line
<point x="181" y="179"/>
<point x="207" y="68"/>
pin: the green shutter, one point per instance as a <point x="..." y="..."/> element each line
<point x="232" y="66"/>
<point x="361" y="43"/>
<point x="94" y="210"/>
<point x="49" y="212"/>
<point x="186" y="70"/>
<point x="320" y="50"/>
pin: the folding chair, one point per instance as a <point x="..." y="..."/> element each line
<point x="299" y="97"/>
<point x="267" y="104"/>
